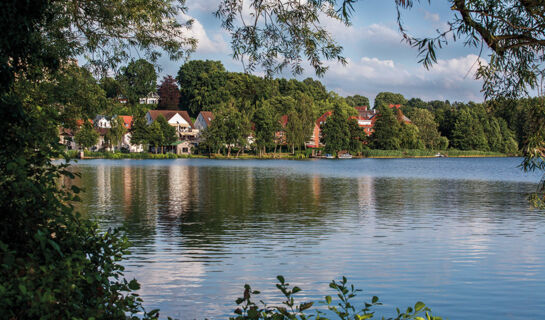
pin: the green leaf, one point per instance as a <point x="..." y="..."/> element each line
<point x="280" y="278"/>
<point x="328" y="299"/>
<point x="305" y="306"/>
<point x="419" y="306"/>
<point x="134" y="285"/>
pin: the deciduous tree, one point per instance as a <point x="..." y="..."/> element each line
<point x="169" y="94"/>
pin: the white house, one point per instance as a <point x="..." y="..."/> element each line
<point x="102" y="122"/>
<point x="179" y="119"/>
<point x="151" y="98"/>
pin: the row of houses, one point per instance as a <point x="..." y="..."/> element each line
<point x="188" y="132"/>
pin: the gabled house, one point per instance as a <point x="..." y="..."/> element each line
<point x="366" y="119"/>
<point x="185" y="129"/>
<point x="126" y="141"/>
<point x="176" y="118"/>
<point x="102" y="122"/>
<point x="151" y="98"/>
<point x="317" y="131"/>
<point x="203" y="120"/>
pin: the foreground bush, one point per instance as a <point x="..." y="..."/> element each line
<point x="343" y="309"/>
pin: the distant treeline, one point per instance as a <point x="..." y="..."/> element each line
<point x="248" y="103"/>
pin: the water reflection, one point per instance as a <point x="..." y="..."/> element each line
<point x="201" y="231"/>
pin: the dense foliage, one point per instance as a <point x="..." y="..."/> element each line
<point x="55" y="264"/>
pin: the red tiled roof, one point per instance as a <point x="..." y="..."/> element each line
<point x="361" y="108"/>
<point x="397" y="106"/>
<point x="324" y="116"/>
<point x="127" y="121"/>
<point x="80" y="122"/>
<point x="208" y="116"/>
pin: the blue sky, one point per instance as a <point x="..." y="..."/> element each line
<point x="378" y="59"/>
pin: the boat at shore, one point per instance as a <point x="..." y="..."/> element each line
<point x="345" y="156"/>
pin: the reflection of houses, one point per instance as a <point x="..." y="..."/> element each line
<point x="185" y="130"/>
<point x="151" y="98"/>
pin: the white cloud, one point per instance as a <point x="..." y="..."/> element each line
<point x="202" y="5"/>
<point x="451" y="79"/>
<point x="434" y="17"/>
<point x="216" y="44"/>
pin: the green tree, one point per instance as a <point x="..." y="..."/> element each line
<point x="357" y="137"/>
<point x="384" y="99"/>
<point x="169" y="94"/>
<point x="57" y="264"/>
<point x="266" y="123"/>
<point x="168" y="132"/>
<point x="202" y="85"/>
<point x="410" y="137"/>
<point x="139" y="131"/>
<point x="86" y="136"/>
<point x="231" y="127"/>
<point x="155" y="136"/>
<point x="114" y="136"/>
<point x="214" y="136"/>
<point x="357" y="101"/>
<point x="81" y="96"/>
<point x="427" y="127"/>
<point x="386" y="135"/>
<point x="111" y="87"/>
<point x="468" y="133"/>
<point x="300" y="121"/>
<point x="138" y="79"/>
<point x="336" y="132"/>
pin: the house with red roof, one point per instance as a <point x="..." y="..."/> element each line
<point x="317" y="131"/>
<point x="366" y="119"/>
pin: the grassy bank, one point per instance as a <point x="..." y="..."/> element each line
<point x="430" y="153"/>
<point x="297" y="156"/>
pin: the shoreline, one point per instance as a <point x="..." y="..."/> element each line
<point x="374" y="154"/>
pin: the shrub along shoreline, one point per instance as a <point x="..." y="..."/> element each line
<point x="372" y="154"/>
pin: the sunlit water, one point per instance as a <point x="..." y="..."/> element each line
<point x="458" y="234"/>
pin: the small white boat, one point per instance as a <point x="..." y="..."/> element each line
<point x="329" y="156"/>
<point x="439" y="155"/>
<point x="345" y="156"/>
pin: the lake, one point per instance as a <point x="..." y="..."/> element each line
<point x="456" y="233"/>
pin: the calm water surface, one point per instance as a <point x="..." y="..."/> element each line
<point x="457" y="234"/>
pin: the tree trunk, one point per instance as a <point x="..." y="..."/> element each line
<point x="293" y="149"/>
<point x="228" y="151"/>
